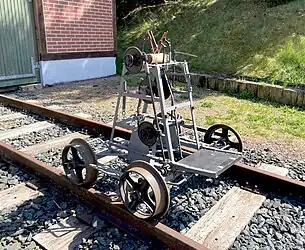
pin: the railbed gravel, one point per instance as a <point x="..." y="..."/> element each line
<point x="18" y="123"/>
<point x="296" y="167"/>
<point x="18" y="226"/>
<point x="5" y="110"/>
<point x="11" y="176"/>
<point x="278" y="224"/>
<point x="40" y="136"/>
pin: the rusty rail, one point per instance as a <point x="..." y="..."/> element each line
<point x="169" y="237"/>
<point x="239" y="171"/>
<point x="93" y="126"/>
<point x="153" y="230"/>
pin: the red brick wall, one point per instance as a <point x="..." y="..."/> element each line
<point x="78" y="25"/>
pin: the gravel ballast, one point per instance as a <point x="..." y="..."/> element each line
<point x="18" y="123"/>
<point x="278" y="224"/>
<point x="22" y="223"/>
<point x="5" y="110"/>
<point x="296" y="167"/>
<point x="40" y="136"/>
<point x="11" y="176"/>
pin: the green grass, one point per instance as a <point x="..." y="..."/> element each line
<point x="253" y="118"/>
<point x="229" y="36"/>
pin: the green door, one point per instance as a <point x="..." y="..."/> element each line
<point x="17" y="43"/>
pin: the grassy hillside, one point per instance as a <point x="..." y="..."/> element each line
<point x="229" y="36"/>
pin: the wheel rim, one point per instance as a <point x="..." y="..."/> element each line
<point x="76" y="160"/>
<point x="224" y="135"/>
<point x="143" y="191"/>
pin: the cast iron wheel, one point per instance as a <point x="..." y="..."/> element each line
<point x="76" y="159"/>
<point x="222" y="137"/>
<point x="143" y="191"/>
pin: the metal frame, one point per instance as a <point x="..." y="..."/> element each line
<point x="154" y="71"/>
<point x="13" y="77"/>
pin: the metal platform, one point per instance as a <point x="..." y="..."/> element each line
<point x="210" y="163"/>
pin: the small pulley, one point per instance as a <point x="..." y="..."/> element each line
<point x="76" y="160"/>
<point x="144" y="191"/>
<point x="133" y="60"/>
<point x="223" y="136"/>
<point x="147" y="133"/>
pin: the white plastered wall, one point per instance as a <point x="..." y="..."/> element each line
<point x="59" y="71"/>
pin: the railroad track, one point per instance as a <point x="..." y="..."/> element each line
<point x="208" y="213"/>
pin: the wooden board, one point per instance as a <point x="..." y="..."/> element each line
<point x="37" y="126"/>
<point x="104" y="156"/>
<point x="66" y="235"/>
<point x="274" y="169"/>
<point x="15" y="196"/>
<point x="11" y="117"/>
<point x="220" y="226"/>
<point x="54" y="143"/>
<point x="83" y="115"/>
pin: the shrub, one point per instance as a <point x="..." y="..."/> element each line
<point x="273" y="3"/>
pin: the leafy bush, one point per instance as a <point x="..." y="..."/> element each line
<point x="273" y="3"/>
<point x="126" y="6"/>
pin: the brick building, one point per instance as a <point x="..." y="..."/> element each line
<point x="55" y="41"/>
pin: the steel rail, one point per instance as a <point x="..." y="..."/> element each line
<point x="262" y="179"/>
<point x="114" y="212"/>
<point x="93" y="126"/>
<point x="153" y="230"/>
<point x="241" y="172"/>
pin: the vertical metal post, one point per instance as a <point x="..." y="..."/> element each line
<point x="124" y="89"/>
<point x="157" y="73"/>
<point x="145" y="107"/>
<point x="121" y="91"/>
<point x="190" y="90"/>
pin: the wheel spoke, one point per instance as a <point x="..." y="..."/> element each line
<point x="131" y="182"/>
<point x="76" y="157"/>
<point x="225" y="133"/>
<point x="148" y="203"/>
<point x="68" y="164"/>
<point x="79" y="174"/>
<point x="133" y="204"/>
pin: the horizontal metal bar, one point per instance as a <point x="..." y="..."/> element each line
<point x="177" y="106"/>
<point x="13" y="77"/>
<point x="139" y="96"/>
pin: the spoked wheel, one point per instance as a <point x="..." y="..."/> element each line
<point x="224" y="136"/>
<point x="76" y="160"/>
<point x="143" y="191"/>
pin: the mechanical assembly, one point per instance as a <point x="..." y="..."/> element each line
<point x="160" y="151"/>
